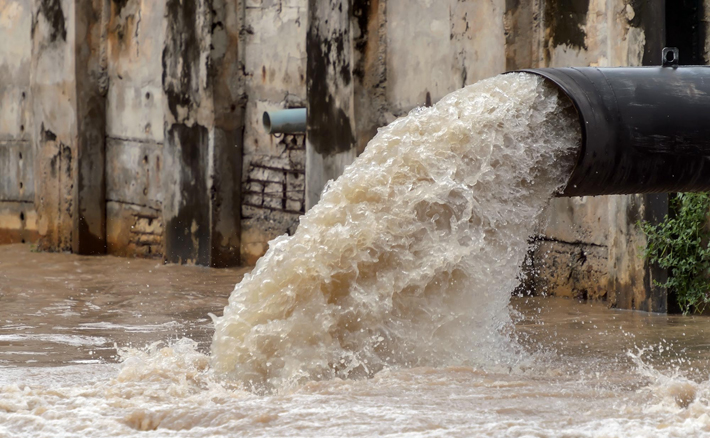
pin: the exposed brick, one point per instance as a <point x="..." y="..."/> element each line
<point x="277" y="187"/>
<point x="273" y="203"/>
<point x="294" y="205"/>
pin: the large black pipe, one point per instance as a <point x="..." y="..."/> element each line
<point x="645" y="129"/>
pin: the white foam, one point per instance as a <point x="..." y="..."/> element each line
<point x="73" y="340"/>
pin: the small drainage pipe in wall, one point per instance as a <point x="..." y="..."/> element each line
<point x="287" y="121"/>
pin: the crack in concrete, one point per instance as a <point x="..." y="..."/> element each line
<point x="564" y="242"/>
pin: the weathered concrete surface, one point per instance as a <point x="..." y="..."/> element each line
<point x="134" y="127"/>
<point x="18" y="218"/>
<point x="68" y="127"/>
<point x="17" y="214"/>
<point x="89" y="192"/>
<point x="134" y="108"/>
<point x="133" y="173"/>
<point x="18" y="222"/>
<point x="226" y="139"/>
<point x="202" y="144"/>
<point x="134" y="231"/>
<point x="274" y="63"/>
<point x="17" y="182"/>
<point x="185" y="207"/>
<point x="592" y="32"/>
<point x="632" y="278"/>
<point x="330" y="136"/>
<point x="598" y="33"/>
<point x="92" y="71"/>
<point x="522" y="25"/>
<point x="436" y="47"/>
<point x="572" y="270"/>
<point x="15" y="60"/>
<point x="54" y="130"/>
<point x="273" y="196"/>
<point x="369" y="69"/>
<point x="579" y="219"/>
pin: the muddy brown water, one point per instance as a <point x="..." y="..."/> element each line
<point x="60" y="309"/>
<point x="585" y="370"/>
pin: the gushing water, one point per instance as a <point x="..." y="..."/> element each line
<point x="411" y="255"/>
<point x="402" y="273"/>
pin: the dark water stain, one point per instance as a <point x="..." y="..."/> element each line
<point x="329" y="128"/>
<point x="187" y="233"/>
<point x="181" y="56"/>
<point x="565" y="19"/>
<point x="52" y="11"/>
<point x="120" y="4"/>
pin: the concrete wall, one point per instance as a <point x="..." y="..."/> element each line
<point x="134" y="128"/>
<point x="591" y="247"/>
<point x="419" y="50"/>
<point x="169" y="95"/>
<point x="436" y="47"/>
<point x="68" y="123"/>
<point x="273" y="181"/>
<point x="18" y="217"/>
<point x="89" y="90"/>
<point x="370" y="61"/>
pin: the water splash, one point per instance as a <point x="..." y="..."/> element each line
<point x="411" y="255"/>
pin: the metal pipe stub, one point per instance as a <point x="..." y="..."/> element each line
<point x="287" y="121"/>
<point x="644" y="129"/>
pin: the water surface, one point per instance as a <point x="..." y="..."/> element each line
<point x="60" y="373"/>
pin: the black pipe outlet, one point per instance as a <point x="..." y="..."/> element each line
<point x="644" y="129"/>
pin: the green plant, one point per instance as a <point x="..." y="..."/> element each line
<point x="680" y="244"/>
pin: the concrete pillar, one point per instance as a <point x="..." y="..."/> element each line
<point x="68" y="126"/>
<point x="521" y="23"/>
<point x="17" y="213"/>
<point x="369" y="28"/>
<point x="202" y="152"/>
<point x="653" y="298"/>
<point x="330" y="134"/>
<point x="89" y="221"/>
<point x="636" y="288"/>
<point x="362" y="68"/>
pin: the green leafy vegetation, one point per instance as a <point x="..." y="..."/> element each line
<point x="680" y="244"/>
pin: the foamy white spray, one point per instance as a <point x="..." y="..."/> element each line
<point x="411" y="255"/>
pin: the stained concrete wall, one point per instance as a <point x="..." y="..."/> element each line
<point x="68" y="122"/>
<point x="18" y="217"/>
<point x="89" y="90"/>
<point x="170" y="94"/>
<point x="591" y="246"/>
<point x="134" y="128"/>
<point x="273" y="176"/>
<point x="370" y="61"/>
<point x="436" y="47"/>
